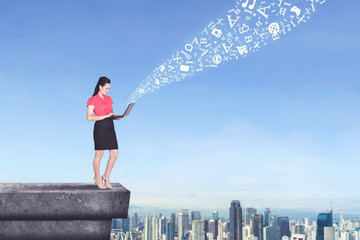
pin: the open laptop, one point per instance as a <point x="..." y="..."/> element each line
<point x="127" y="111"/>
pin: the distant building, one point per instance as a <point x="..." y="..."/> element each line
<point x="215" y="215"/>
<point x="134" y="222"/>
<point x="198" y="230"/>
<point x="257" y="226"/>
<point x="170" y="229"/>
<point x="235" y="220"/>
<point x="247" y="213"/>
<point x="271" y="233"/>
<point x="195" y="215"/>
<point x="266" y="217"/>
<point x="329" y="233"/>
<point x="284" y="226"/>
<point x="323" y="220"/>
<point x="183" y="224"/>
<point x="147" y="234"/>
<point x="213" y="225"/>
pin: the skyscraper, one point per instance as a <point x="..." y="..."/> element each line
<point x="284" y="226"/>
<point x="155" y="228"/>
<point x="271" y="233"/>
<point x="323" y="220"/>
<point x="235" y="220"/>
<point x="147" y="229"/>
<point x="266" y="217"/>
<point x="170" y="228"/>
<point x="257" y="226"/>
<point x="215" y="215"/>
<point x="213" y="224"/>
<point x="183" y="224"/>
<point x="247" y="213"/>
<point x="195" y="215"/>
<point x="198" y="230"/>
<point x="133" y="222"/>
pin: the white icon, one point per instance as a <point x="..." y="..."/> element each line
<point x="244" y="28"/>
<point x="141" y="90"/>
<point x="217" y="59"/>
<point x="274" y="28"/>
<point x="251" y="6"/>
<point x="157" y="82"/>
<point x="242" y="49"/>
<point x="296" y="10"/>
<point x="248" y="39"/>
<point x="184" y="68"/>
<point x="162" y="68"/>
<point x="216" y="32"/>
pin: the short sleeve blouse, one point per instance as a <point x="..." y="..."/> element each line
<point x="103" y="106"/>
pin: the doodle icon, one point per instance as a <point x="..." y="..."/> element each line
<point x="274" y="28"/>
<point x="216" y="32"/>
<point x="242" y="50"/>
<point x="184" y="68"/>
<point x="217" y="59"/>
<point x="157" y="82"/>
<point x="244" y="28"/>
<point x="296" y="10"/>
<point x="141" y="90"/>
<point x="162" y="68"/>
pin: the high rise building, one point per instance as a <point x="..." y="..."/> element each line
<point x="198" y="230"/>
<point x="215" y="215"/>
<point x="125" y="224"/>
<point x="173" y="221"/>
<point x="323" y="220"/>
<point x="147" y="229"/>
<point x="162" y="226"/>
<point x="299" y="229"/>
<point x="221" y="229"/>
<point x="284" y="226"/>
<point x="247" y="213"/>
<point x="170" y="228"/>
<point x="134" y="222"/>
<point x="257" y="225"/>
<point x="213" y="225"/>
<point x="246" y="232"/>
<point x="266" y="217"/>
<point x="271" y="233"/>
<point x="235" y="220"/>
<point x="116" y="223"/>
<point x="183" y="224"/>
<point x="155" y="228"/>
<point x="195" y="215"/>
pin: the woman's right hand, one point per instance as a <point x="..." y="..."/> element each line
<point x="109" y="115"/>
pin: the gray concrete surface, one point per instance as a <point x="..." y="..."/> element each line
<point x="60" y="210"/>
<point x="55" y="230"/>
<point x="62" y="201"/>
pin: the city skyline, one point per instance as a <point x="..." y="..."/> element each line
<point x="279" y="128"/>
<point x="236" y="226"/>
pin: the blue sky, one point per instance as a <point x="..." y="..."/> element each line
<point x="277" y="129"/>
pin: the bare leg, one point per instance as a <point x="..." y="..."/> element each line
<point x="96" y="164"/>
<point x="110" y="164"/>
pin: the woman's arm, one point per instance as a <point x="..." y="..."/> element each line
<point x="90" y="114"/>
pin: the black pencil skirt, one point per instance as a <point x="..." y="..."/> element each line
<point x="104" y="135"/>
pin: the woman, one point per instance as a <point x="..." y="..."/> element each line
<point x="104" y="131"/>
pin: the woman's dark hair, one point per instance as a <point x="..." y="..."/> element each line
<point x="102" y="81"/>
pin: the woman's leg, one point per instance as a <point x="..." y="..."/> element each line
<point x="98" y="155"/>
<point x="111" y="162"/>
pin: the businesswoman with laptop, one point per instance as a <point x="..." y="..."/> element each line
<point x="99" y="109"/>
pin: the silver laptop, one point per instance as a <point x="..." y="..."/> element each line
<point x="127" y="111"/>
